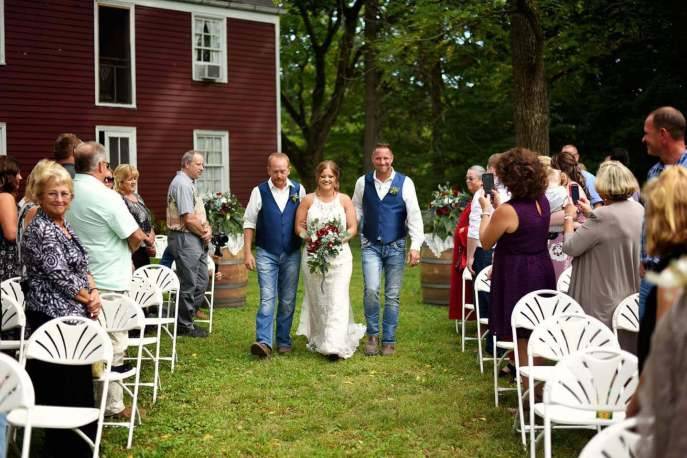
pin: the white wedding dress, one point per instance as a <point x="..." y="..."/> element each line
<point x="326" y="316"/>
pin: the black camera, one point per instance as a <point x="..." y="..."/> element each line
<point x="219" y="240"/>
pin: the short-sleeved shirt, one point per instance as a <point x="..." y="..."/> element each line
<point x="590" y="183"/>
<point x="183" y="198"/>
<point x="102" y="222"/>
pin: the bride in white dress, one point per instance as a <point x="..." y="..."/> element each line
<point x="326" y="315"/>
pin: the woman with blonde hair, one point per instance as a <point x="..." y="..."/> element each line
<point x="326" y="314"/>
<point x="606" y="247"/>
<point x="125" y="183"/>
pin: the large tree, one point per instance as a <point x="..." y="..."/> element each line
<point x="321" y="59"/>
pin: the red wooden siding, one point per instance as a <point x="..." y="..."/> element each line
<point x="48" y="87"/>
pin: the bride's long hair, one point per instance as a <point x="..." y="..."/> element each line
<point x="331" y="165"/>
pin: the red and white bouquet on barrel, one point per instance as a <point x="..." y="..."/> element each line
<point x="325" y="242"/>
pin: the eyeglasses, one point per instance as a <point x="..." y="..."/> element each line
<point x="108" y="180"/>
<point x="54" y="195"/>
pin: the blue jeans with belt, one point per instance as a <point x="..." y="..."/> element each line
<point x="278" y="280"/>
<point x="390" y="259"/>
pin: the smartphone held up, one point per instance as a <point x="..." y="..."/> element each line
<point x="488" y="184"/>
<point x="574" y="193"/>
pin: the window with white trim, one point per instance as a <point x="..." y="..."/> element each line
<point x="214" y="144"/>
<point x="209" y="49"/>
<point x="115" y="58"/>
<point x="3" y="139"/>
<point x="2" y="32"/>
<point x="120" y="143"/>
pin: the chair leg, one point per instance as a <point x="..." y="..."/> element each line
<point x="530" y="399"/>
<point x="156" y="363"/>
<point x="521" y="412"/>
<point x="174" y="337"/>
<point x="26" y="443"/>
<point x="479" y="346"/>
<point x="211" y="304"/>
<point x="547" y="437"/>
<point x="496" y="375"/>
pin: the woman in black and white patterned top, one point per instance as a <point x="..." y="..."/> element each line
<point x="56" y="273"/>
<point x="126" y="179"/>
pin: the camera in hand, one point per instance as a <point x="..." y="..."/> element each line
<point x="219" y="240"/>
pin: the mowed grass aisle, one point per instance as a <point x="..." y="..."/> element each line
<point x="428" y="400"/>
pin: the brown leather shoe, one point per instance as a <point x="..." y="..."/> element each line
<point x="371" y="347"/>
<point x="283" y="350"/>
<point x="124" y="415"/>
<point x="388" y="349"/>
<point x="260" y="350"/>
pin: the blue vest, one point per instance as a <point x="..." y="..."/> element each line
<point x="274" y="231"/>
<point x="384" y="220"/>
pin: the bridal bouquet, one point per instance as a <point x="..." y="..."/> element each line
<point x="326" y="241"/>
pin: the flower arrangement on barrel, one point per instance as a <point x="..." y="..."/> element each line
<point x="441" y="218"/>
<point x="325" y="240"/>
<point x="225" y="216"/>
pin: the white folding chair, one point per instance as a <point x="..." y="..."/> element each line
<point x="563" y="283"/>
<point x="555" y="338"/>
<point x="160" y="245"/>
<point x="209" y="294"/>
<point x="465" y="277"/>
<point x="529" y="311"/>
<point x="626" y="315"/>
<point x="590" y="388"/>
<point x="616" y="441"/>
<point x="168" y="282"/>
<point x="71" y="341"/>
<point x="12" y="288"/>
<point x="482" y="283"/>
<point x="13" y="318"/>
<point x="16" y="394"/>
<point x="146" y="294"/>
<point x="119" y="313"/>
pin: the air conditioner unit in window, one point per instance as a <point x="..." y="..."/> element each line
<point x="211" y="72"/>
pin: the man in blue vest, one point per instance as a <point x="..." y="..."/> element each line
<point x="269" y="220"/>
<point x="386" y="205"/>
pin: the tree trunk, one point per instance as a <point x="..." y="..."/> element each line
<point x="372" y="77"/>
<point x="530" y="97"/>
<point x="436" y="91"/>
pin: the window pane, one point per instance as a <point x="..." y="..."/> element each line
<point x="123" y="150"/>
<point x="113" y="147"/>
<point x="114" y="55"/>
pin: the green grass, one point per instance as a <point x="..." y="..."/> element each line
<point x="427" y="400"/>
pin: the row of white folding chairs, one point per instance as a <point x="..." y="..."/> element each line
<point x="81" y="342"/>
<point x="161" y="245"/>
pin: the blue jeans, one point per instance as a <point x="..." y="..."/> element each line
<point x="644" y="289"/>
<point x="278" y="279"/>
<point x="390" y="258"/>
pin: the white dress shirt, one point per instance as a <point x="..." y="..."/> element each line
<point x="476" y="211"/>
<point x="414" y="215"/>
<point x="281" y="197"/>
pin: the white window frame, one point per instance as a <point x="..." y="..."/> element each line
<point x="223" y="41"/>
<point x="132" y="45"/>
<point x="3" y="139"/>
<point x="119" y="131"/>
<point x="2" y="32"/>
<point x="225" y="152"/>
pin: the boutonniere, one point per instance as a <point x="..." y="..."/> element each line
<point x="393" y="190"/>
<point x="295" y="198"/>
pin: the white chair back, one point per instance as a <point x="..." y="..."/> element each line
<point x="467" y="275"/>
<point x="594" y="379"/>
<point x="161" y="276"/>
<point x="70" y="340"/>
<point x="482" y="281"/>
<point x="145" y="293"/>
<point x="160" y="245"/>
<point x="563" y="283"/>
<point x="616" y="441"/>
<point x="13" y="317"/>
<point x="12" y="288"/>
<point x="537" y="306"/>
<point x="120" y="313"/>
<point x="626" y="314"/>
<point x="561" y="335"/>
<point x="16" y="392"/>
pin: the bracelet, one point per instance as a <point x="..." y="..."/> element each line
<point x="484" y="214"/>
<point x="302" y="234"/>
<point x="568" y="217"/>
<point x="90" y="290"/>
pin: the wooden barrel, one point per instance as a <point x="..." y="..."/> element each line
<point x="435" y="276"/>
<point x="230" y="291"/>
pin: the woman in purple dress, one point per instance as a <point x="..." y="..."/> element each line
<point x="521" y="227"/>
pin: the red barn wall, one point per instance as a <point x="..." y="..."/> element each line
<point x="48" y="87"/>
